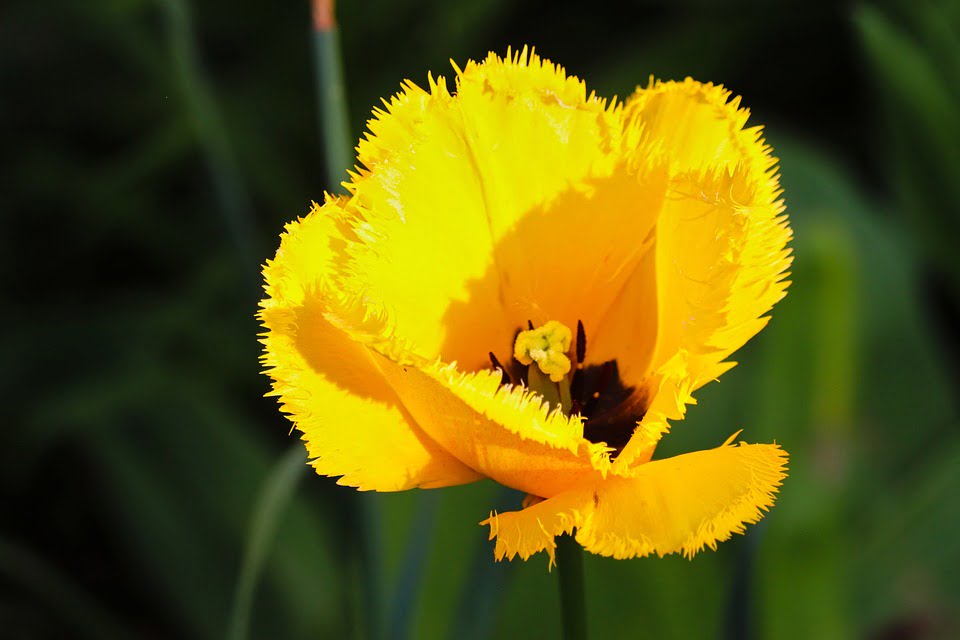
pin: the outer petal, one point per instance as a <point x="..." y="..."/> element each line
<point x="680" y="504"/>
<point x="698" y="126"/>
<point x="513" y="185"/>
<point x="424" y="232"/>
<point x="571" y="193"/>
<point x="721" y="237"/>
<point x="720" y="257"/>
<point x="504" y="433"/>
<point x="353" y="424"/>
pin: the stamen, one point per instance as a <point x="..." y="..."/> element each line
<point x="581" y="342"/>
<point x="577" y="385"/>
<point x="504" y="376"/>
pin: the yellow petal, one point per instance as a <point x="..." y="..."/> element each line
<point x="677" y="505"/>
<point x="685" y="503"/>
<point x="505" y="433"/>
<point x="570" y="193"/>
<point x="424" y="230"/>
<point x="720" y="258"/>
<point x="698" y="126"/>
<point x="721" y="238"/>
<point x="494" y="206"/>
<point x="721" y="265"/>
<point x="352" y="421"/>
<point x="534" y="529"/>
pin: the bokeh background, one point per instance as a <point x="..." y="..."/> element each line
<point x="153" y="149"/>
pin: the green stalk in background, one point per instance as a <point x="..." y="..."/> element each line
<point x="362" y="516"/>
<point x="211" y="132"/>
<point x="331" y="94"/>
<point x="277" y="494"/>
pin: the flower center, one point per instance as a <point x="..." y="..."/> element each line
<point x="542" y="361"/>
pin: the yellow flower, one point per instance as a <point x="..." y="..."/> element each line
<point x="491" y="225"/>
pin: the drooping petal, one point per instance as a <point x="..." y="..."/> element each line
<point x="521" y="197"/>
<point x="353" y="424"/>
<point x="685" y="503"/>
<point x="720" y="258"/>
<point x="676" y="505"/>
<point x="534" y="529"/>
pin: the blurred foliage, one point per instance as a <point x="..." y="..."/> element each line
<point x="153" y="150"/>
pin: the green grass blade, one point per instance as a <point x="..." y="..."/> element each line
<point x="211" y="132"/>
<point x="417" y="552"/>
<point x="276" y="496"/>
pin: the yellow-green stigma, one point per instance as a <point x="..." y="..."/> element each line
<point x="546" y="345"/>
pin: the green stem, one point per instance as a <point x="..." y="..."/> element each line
<point x="272" y="504"/>
<point x="331" y="95"/>
<point x="573" y="613"/>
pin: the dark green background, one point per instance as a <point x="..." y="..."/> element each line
<point x="153" y="149"/>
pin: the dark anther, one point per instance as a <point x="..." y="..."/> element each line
<point x="530" y="325"/>
<point x="519" y="370"/>
<point x="581" y="343"/>
<point x="504" y="376"/>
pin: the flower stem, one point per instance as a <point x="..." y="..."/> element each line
<point x="573" y="612"/>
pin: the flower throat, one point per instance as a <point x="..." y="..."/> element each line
<point x="542" y="361"/>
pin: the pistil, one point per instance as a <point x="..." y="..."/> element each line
<point x="544" y="351"/>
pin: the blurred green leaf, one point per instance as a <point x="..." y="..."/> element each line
<point x="274" y="499"/>
<point x="920" y="91"/>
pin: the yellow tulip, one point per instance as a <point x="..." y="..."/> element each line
<point x="419" y="332"/>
